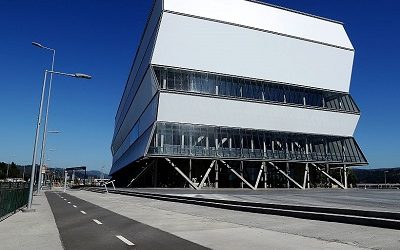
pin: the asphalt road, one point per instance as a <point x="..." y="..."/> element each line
<point x="83" y="225"/>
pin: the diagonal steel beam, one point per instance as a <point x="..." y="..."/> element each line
<point x="148" y="166"/>
<point x="286" y="175"/>
<point x="259" y="175"/>
<point x="330" y="177"/>
<point x="238" y="175"/>
<point x="181" y="173"/>
<point x="206" y="174"/>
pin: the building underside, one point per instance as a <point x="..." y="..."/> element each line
<point x="185" y="155"/>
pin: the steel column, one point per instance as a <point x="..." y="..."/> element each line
<point x="259" y="175"/>
<point x="241" y="173"/>
<point x="216" y="174"/>
<point x="265" y="174"/>
<point x="288" y="173"/>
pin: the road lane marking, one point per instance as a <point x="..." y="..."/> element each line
<point x="65" y="199"/>
<point x="83" y="212"/>
<point x="74" y="206"/>
<point x="69" y="202"/>
<point x="98" y="222"/>
<point x="62" y="197"/>
<point x="123" y="239"/>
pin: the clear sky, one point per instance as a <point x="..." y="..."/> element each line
<point x="100" y="38"/>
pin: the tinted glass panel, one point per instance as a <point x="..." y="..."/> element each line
<point x="212" y="84"/>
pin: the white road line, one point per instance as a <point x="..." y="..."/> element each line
<point x="123" y="239"/>
<point x="83" y="212"/>
<point x="62" y="197"/>
<point x="98" y="222"/>
<point x="74" y="206"/>
<point x="69" y="202"/>
<point x="65" y="199"/>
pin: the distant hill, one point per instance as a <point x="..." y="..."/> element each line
<point x="377" y="175"/>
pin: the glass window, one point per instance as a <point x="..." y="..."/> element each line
<point x="234" y="87"/>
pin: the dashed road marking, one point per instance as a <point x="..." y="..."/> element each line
<point x="65" y="199"/>
<point x="74" y="206"/>
<point x="123" y="239"/>
<point x="83" y="212"/>
<point x="69" y="202"/>
<point x="97" y="222"/>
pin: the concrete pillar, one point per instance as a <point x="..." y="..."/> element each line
<point x="345" y="176"/>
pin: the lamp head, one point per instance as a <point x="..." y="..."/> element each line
<point x="80" y="75"/>
<point x="37" y="44"/>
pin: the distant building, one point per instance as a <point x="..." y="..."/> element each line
<point x="226" y="93"/>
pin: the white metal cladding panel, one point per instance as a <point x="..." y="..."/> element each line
<point x="264" y="17"/>
<point x="193" y="43"/>
<point x="231" y="113"/>
<point x="141" y="58"/>
<point x="145" y="93"/>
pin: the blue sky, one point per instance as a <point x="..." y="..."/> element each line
<point x="100" y="38"/>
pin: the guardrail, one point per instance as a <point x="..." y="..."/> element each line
<point x="13" y="196"/>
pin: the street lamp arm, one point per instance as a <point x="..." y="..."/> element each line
<point x="77" y="75"/>
<point x="42" y="46"/>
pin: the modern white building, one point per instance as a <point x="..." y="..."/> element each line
<point x="226" y="93"/>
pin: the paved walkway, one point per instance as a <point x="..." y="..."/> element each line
<point x="225" y="229"/>
<point x="354" y="198"/>
<point x="34" y="231"/>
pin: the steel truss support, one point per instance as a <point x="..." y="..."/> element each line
<point x="259" y="175"/>
<point x="206" y="174"/>
<point x="287" y="176"/>
<point x="330" y="177"/>
<point x="238" y="175"/>
<point x="306" y="180"/>
<point x="182" y="174"/>
<point x="148" y="166"/>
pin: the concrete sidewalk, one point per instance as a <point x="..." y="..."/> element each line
<point x="225" y="229"/>
<point x="36" y="230"/>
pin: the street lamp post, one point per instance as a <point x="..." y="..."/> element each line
<point x="76" y="75"/>
<point x="43" y="148"/>
<point x="35" y="145"/>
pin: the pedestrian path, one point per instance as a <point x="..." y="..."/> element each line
<point x="35" y="230"/>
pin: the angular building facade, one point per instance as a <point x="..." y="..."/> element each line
<point x="233" y="93"/>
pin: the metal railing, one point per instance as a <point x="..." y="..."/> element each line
<point x="13" y="196"/>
